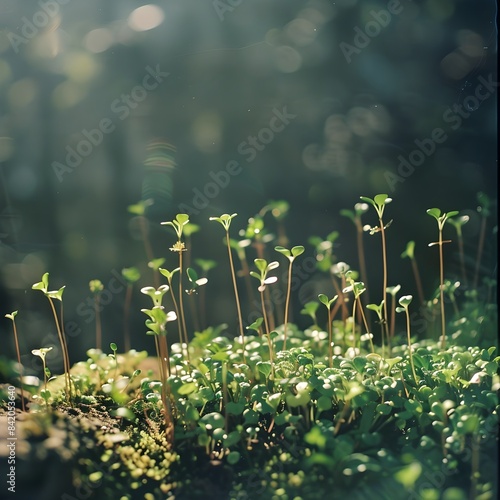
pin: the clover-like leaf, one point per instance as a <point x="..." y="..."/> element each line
<point x="225" y="220"/>
<point x="96" y="286"/>
<point x="168" y="274"/>
<point x="42" y="285"/>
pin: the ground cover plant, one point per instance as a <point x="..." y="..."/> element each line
<point x="355" y="405"/>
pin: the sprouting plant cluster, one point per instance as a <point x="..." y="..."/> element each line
<point x="348" y="407"/>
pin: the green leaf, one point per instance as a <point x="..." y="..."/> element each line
<point x="272" y="265"/>
<point x="408" y="475"/>
<point x="264" y="367"/>
<point x="131" y="274"/>
<point x="452" y="214"/>
<point x="410" y="250"/>
<point x="323" y="299"/>
<point x="168" y="274"/>
<point x="297" y="250"/>
<point x="182" y="219"/>
<point x="126" y="413"/>
<point x="348" y="213"/>
<point x="434" y="212"/>
<point x="113" y="347"/>
<point x="156" y="263"/>
<point x="191" y="274"/>
<point x="382" y="199"/>
<point x="261" y="265"/>
<point x="367" y="200"/>
<point x="186" y="389"/>
<point x="12" y="315"/>
<point x="283" y="251"/>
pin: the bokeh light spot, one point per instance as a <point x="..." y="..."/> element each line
<point x="288" y="60"/>
<point x="22" y="92"/>
<point x="98" y="40"/>
<point x="146" y="17"/>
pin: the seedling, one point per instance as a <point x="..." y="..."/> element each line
<point x="264" y="268"/>
<point x="183" y="340"/>
<point x="225" y="221"/>
<point x="441" y="220"/>
<point x="457" y="223"/>
<point x="12" y="317"/>
<point x="96" y="287"/>
<point x="378" y="203"/>
<point x="405" y="301"/>
<point x="156" y="324"/>
<point x="239" y="248"/>
<point x="410" y="253"/>
<point x="131" y="276"/>
<point x="328" y="304"/>
<point x="41" y="353"/>
<point x="43" y="286"/>
<point x="357" y="288"/>
<point x="178" y="224"/>
<point x="290" y="255"/>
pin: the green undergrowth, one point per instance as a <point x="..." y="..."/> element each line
<point x="362" y="405"/>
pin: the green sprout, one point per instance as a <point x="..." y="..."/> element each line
<point x="43" y="286"/>
<point x="290" y="255"/>
<point x="410" y="253"/>
<point x="41" y="353"/>
<point x="405" y="301"/>
<point x="12" y="317"/>
<point x="180" y="221"/>
<point x="131" y="276"/>
<point x="156" y="324"/>
<point x="264" y="268"/>
<point x="378" y="203"/>
<point x="225" y="221"/>
<point x="183" y="340"/>
<point x="328" y="304"/>
<point x="357" y="288"/>
<point x="96" y="287"/>
<point x="441" y="219"/>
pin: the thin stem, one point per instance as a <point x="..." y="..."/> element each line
<point x="126" y="314"/>
<point x="361" y="259"/>
<point x="384" y="261"/>
<point x="192" y="307"/>
<point x="360" y="307"/>
<point x="264" y="312"/>
<point x="235" y="286"/>
<point x="64" y="351"/>
<point x="181" y="304"/>
<point x="354" y="324"/>
<point x="176" y="307"/>
<point x="16" y="341"/>
<point x="330" y="338"/>
<point x="289" y="289"/>
<point x="441" y="290"/>
<point x="409" y="344"/>
<point x="418" y="281"/>
<point x="98" y="330"/>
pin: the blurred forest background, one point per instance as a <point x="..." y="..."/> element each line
<point x="218" y="107"/>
